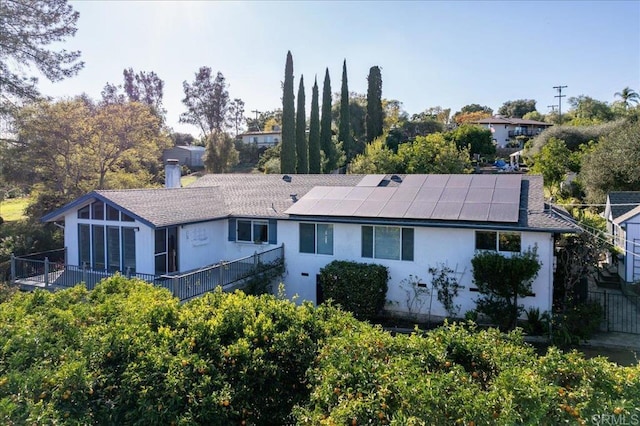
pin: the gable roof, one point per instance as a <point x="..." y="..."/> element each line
<point x="512" y="121"/>
<point x="217" y="196"/>
<point x="623" y="205"/>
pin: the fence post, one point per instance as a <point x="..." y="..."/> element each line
<point x="13" y="269"/>
<point x="255" y="260"/>
<point x="46" y="272"/>
<point x="174" y="287"/>
<point x="84" y="274"/>
<point x="606" y="311"/>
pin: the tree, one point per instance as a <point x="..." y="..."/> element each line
<point x="552" y="162"/>
<point x="302" y="145"/>
<point x="628" y="96"/>
<point x="502" y="280"/>
<point x="517" y="108"/>
<point x="344" y="128"/>
<point x="472" y="112"/>
<point x="207" y="102"/>
<point x="534" y="115"/>
<point x="264" y="121"/>
<point x="146" y="88"/>
<point x="71" y="147"/>
<point x="220" y="153"/>
<point x="613" y="163"/>
<point x="433" y="154"/>
<point x="182" y="139"/>
<point x="588" y="111"/>
<point x="376" y="158"/>
<point x="30" y="30"/>
<point x="477" y="139"/>
<point x="236" y="114"/>
<point x="314" y="132"/>
<point x="375" y="115"/>
<point x="288" y="152"/>
<point x="326" y="143"/>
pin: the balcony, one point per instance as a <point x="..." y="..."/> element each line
<point x="524" y="132"/>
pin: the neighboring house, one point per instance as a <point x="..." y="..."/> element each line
<point x="505" y="131"/>
<point x="406" y="223"/>
<point x="187" y="155"/>
<point x="262" y="139"/>
<point x="622" y="213"/>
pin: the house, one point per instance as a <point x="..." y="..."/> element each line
<point x="187" y="155"/>
<point x="622" y="213"/>
<point x="262" y="139"/>
<point x="506" y="130"/>
<point x="406" y="223"/>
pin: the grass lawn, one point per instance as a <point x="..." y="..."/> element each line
<point x="13" y="209"/>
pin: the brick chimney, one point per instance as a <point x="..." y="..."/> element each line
<point x="172" y="174"/>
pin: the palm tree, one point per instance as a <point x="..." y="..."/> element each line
<point x="628" y="96"/>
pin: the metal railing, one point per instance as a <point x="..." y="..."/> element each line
<point x="31" y="271"/>
<point x="621" y="313"/>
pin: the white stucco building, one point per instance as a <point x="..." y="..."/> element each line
<point x="406" y="223"/>
<point x="505" y="131"/>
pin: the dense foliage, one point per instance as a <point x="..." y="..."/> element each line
<point x="360" y="288"/>
<point x="302" y="145"/>
<point x="314" y="132"/>
<point x="344" y="122"/>
<point x="375" y="113"/>
<point x="128" y="353"/>
<point x="501" y="280"/>
<point x="327" y="145"/>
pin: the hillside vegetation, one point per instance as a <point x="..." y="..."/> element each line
<point x="129" y="353"/>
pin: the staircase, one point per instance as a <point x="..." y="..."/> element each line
<point x="608" y="278"/>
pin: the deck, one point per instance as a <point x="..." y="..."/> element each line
<point x="29" y="274"/>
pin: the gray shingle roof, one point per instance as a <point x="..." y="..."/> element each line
<point x="164" y="207"/>
<point x="219" y="196"/>
<point x="629" y="200"/>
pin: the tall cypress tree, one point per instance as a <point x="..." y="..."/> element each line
<point x="288" y="149"/>
<point x="375" y="115"/>
<point x="326" y="144"/>
<point x="314" y="132"/>
<point x="344" y="129"/>
<point x="302" y="147"/>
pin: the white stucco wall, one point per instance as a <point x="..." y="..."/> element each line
<point x="432" y="246"/>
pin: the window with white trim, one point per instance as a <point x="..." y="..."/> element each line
<point x="387" y="242"/>
<point x="499" y="241"/>
<point x="253" y="231"/>
<point x="316" y="238"/>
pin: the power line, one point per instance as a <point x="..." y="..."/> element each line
<point x="559" y="96"/>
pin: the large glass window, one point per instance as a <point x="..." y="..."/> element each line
<point x="316" y="238"/>
<point x="129" y="250"/>
<point x="112" y="213"/>
<point x="113" y="248"/>
<point x="166" y="250"/>
<point x="98" y="247"/>
<point x="84" y="241"/>
<point x="499" y="241"/>
<point x="387" y="242"/>
<point x="256" y="231"/>
<point x="97" y="210"/>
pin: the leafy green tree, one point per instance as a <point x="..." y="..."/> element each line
<point x="433" y="154"/>
<point x="302" y="145"/>
<point x="288" y="152"/>
<point x="502" y="280"/>
<point x="573" y="136"/>
<point x="477" y="139"/>
<point x="535" y="116"/>
<point x="182" y="139"/>
<point x="71" y="147"/>
<point x="375" y="114"/>
<point x="517" y="108"/>
<point x="376" y="158"/>
<point x="628" y="96"/>
<point x="613" y="164"/>
<point x="552" y="162"/>
<point x="588" y="111"/>
<point x="207" y="102"/>
<point x="326" y="143"/>
<point x="344" y="128"/>
<point x="264" y="121"/>
<point x="30" y="37"/>
<point x="314" y="132"/>
<point x="393" y="114"/>
<point x="220" y="153"/>
<point x="472" y="112"/>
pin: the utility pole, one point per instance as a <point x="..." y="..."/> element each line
<point x="257" y="112"/>
<point x="559" y="96"/>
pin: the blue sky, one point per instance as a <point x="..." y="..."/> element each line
<point x="431" y="53"/>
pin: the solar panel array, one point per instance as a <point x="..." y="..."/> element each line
<point x="483" y="198"/>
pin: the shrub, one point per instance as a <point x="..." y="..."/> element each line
<point x="577" y="323"/>
<point x="359" y="288"/>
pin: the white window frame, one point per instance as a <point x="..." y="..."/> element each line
<point x="252" y="224"/>
<point x="315" y="238"/>
<point x="496" y="246"/>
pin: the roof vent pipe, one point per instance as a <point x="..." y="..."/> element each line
<point x="294" y="197"/>
<point x="286" y="178"/>
<point x="172" y="174"/>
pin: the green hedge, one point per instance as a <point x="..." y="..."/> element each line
<point x="359" y="288"/>
<point x="129" y="353"/>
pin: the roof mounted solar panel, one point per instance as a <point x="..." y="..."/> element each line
<point x="371" y="180"/>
